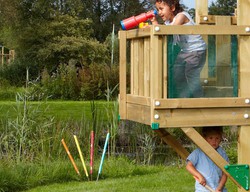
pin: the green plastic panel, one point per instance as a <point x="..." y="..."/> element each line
<point x="240" y="173"/>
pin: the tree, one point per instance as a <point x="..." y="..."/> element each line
<point x="223" y="7"/>
<point x="48" y="33"/>
<point x="105" y="13"/>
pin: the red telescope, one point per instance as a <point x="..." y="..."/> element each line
<point x="133" y="21"/>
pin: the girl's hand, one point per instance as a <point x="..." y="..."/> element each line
<point x="153" y="20"/>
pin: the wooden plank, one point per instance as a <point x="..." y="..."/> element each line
<point x="138" y="113"/>
<point x="223" y="54"/>
<point x="201" y="103"/>
<point x="201" y="8"/>
<point x="244" y="67"/>
<point x="208" y="150"/>
<point x="133" y="99"/>
<point x="156" y="69"/>
<point x="135" y="67"/>
<point x="132" y="66"/>
<point x="171" y="141"/>
<point x="210" y="19"/>
<point x="244" y="79"/>
<point x="156" y="64"/>
<point x="202" y="117"/>
<point x="201" y="29"/>
<point x="123" y="74"/>
<point x="141" y="67"/>
<point x="165" y="67"/>
<point x="138" y="33"/>
<point x="146" y="71"/>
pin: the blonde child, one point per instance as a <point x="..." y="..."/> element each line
<point x="201" y="166"/>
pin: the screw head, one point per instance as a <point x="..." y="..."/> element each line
<point x="157" y="103"/>
<point x="205" y="18"/>
<point x="247" y="29"/>
<point x="157" y="28"/>
<point x="156" y="116"/>
<point x="247" y="101"/>
<point x="246" y="116"/>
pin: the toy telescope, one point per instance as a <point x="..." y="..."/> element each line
<point x="133" y="21"/>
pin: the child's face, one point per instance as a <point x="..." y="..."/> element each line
<point x="214" y="139"/>
<point x="164" y="11"/>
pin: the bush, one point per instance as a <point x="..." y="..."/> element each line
<point x="87" y="83"/>
<point x="15" y="73"/>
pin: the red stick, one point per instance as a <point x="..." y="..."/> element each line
<point x="92" y="139"/>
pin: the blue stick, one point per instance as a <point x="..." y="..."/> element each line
<point x="103" y="155"/>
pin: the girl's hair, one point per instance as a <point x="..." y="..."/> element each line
<point x="209" y="130"/>
<point x="171" y="3"/>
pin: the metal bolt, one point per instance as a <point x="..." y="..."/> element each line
<point x="157" y="103"/>
<point x="247" y="29"/>
<point x="247" y="101"/>
<point x="157" y="28"/>
<point x="156" y="116"/>
<point x="246" y="116"/>
<point x="205" y="81"/>
<point x="205" y="18"/>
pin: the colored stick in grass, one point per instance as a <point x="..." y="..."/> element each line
<point x="92" y="140"/>
<point x="103" y="155"/>
<point x="70" y="157"/>
<point x="81" y="157"/>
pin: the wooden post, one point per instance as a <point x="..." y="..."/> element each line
<point x="156" y="69"/>
<point x="201" y="8"/>
<point x="123" y="78"/>
<point x="223" y="54"/>
<point x="244" y="79"/>
<point x="2" y="55"/>
<point x="171" y="141"/>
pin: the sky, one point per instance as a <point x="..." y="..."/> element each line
<point x="191" y="3"/>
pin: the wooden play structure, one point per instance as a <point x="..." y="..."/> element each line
<point x="6" y="55"/>
<point x="145" y="96"/>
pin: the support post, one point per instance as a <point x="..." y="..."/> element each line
<point x="123" y="78"/>
<point x="244" y="78"/>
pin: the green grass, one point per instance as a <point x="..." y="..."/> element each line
<point x="151" y="178"/>
<point x="61" y="110"/>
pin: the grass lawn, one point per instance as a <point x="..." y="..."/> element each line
<point x="62" y="110"/>
<point x="158" y="179"/>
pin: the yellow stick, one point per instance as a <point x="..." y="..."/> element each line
<point x="81" y="157"/>
<point x="70" y="157"/>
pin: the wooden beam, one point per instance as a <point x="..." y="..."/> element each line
<point x="210" y="19"/>
<point x="208" y="150"/>
<point x="134" y="99"/>
<point x="223" y="54"/>
<point x="139" y="113"/>
<point x="171" y="141"/>
<point x="146" y="71"/>
<point x="138" y="33"/>
<point x="244" y="79"/>
<point x="201" y="8"/>
<point x="201" y="29"/>
<point x="123" y="76"/>
<point x="201" y="103"/>
<point x="172" y="118"/>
